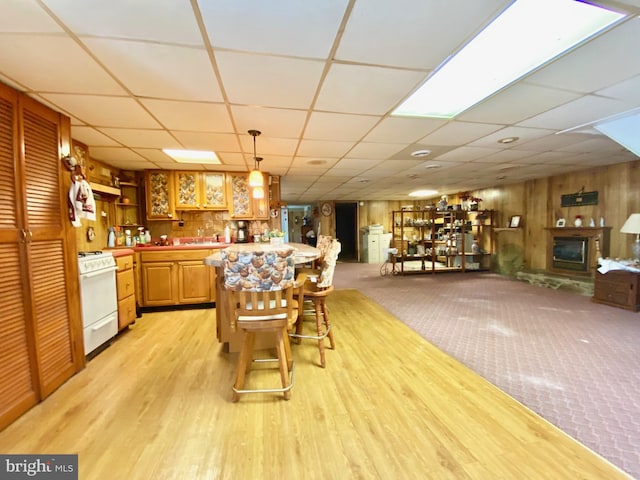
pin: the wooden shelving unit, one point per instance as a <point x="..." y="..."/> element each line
<point x="430" y="241"/>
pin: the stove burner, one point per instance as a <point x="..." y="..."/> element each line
<point x="93" y="252"/>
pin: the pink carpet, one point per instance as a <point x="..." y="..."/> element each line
<point x="574" y="362"/>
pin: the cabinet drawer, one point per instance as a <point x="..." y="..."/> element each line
<point x="125" y="283"/>
<point x="125" y="262"/>
<point x="126" y="311"/>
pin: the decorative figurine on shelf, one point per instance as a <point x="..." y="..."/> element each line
<point x="442" y="204"/>
<point x="578" y="221"/>
<point x="592" y="222"/>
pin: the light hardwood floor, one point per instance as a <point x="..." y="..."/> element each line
<point x="157" y="405"/>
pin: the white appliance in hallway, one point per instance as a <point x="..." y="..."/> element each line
<point x="375" y="244"/>
<point x="99" y="298"/>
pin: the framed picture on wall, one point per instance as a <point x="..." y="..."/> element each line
<point x="514" y="221"/>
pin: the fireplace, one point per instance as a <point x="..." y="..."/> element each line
<point x="575" y="251"/>
<point x="571" y="253"/>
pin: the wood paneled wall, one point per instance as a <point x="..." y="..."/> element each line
<point x="539" y="203"/>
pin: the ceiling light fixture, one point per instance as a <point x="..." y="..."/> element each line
<point x="421" y="153"/>
<point x="507" y="140"/>
<point x="423" y="193"/>
<point x="255" y="177"/>
<point x="528" y="34"/>
<point x="192" y="156"/>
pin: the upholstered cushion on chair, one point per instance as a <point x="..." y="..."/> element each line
<point x="258" y="271"/>
<point x="329" y="266"/>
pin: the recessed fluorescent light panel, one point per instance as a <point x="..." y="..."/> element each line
<point x="525" y="36"/>
<point x="193" y="156"/>
<point x="423" y="193"/>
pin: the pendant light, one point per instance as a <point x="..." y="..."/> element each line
<point x="258" y="192"/>
<point x="255" y="177"/>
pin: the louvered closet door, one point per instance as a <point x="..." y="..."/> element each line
<point x="46" y="245"/>
<point x="18" y="387"/>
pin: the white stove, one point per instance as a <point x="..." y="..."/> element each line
<point x="99" y="298"/>
<point x="95" y="261"/>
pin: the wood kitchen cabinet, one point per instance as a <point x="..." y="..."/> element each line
<point x="242" y="205"/>
<point x="200" y="191"/>
<point x="126" y="288"/>
<point x="41" y="330"/>
<point x="176" y="277"/>
<point x="159" y="195"/>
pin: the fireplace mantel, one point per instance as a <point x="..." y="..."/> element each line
<point x="598" y="246"/>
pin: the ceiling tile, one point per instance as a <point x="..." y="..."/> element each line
<point x="320" y="148"/>
<point x="342" y="90"/>
<point x="102" y="111"/>
<point x="19" y="16"/>
<point x="91" y="136"/>
<point x="584" y="110"/>
<point x="191" y="116"/>
<point x="272" y="122"/>
<point x="336" y="126"/>
<point x="160" y="71"/>
<point x="269" y="81"/>
<point x="400" y="31"/>
<point x="137" y="138"/>
<point x="459" y="133"/>
<point x="277" y="26"/>
<point x="169" y="21"/>
<point x="218" y="142"/>
<point x="69" y="69"/>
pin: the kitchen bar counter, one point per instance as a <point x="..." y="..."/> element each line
<point x="303" y="254"/>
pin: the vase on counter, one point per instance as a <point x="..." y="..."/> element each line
<point x="578" y="221"/>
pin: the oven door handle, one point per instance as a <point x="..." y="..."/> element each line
<point x="99" y="272"/>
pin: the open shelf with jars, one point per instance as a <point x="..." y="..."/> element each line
<point x="432" y="240"/>
<point x="128" y="205"/>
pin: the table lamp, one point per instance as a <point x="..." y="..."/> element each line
<point x="632" y="225"/>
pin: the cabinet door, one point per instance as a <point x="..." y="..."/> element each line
<point x="240" y="196"/>
<point x="194" y="282"/>
<point x="214" y="190"/>
<point x="18" y="388"/>
<point x="158" y="284"/>
<point x="188" y="190"/>
<point x="52" y="267"/>
<point x="159" y="193"/>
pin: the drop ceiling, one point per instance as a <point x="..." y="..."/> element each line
<point x="319" y="80"/>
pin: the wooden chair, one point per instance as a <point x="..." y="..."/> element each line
<point x="314" y="290"/>
<point x="261" y="298"/>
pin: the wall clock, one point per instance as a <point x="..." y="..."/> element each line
<point x="91" y="234"/>
<point x="326" y="209"/>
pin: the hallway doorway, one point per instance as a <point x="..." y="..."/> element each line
<point x="346" y="230"/>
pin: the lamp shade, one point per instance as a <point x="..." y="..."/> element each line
<point x="258" y="192"/>
<point x="256" y="179"/>
<point x="632" y="225"/>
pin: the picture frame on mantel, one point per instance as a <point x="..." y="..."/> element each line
<point x="514" y="221"/>
<point x="560" y="223"/>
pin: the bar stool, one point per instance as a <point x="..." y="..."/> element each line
<point x="314" y="290"/>
<point x="261" y="298"/>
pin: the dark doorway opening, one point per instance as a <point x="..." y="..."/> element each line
<point x="346" y="230"/>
